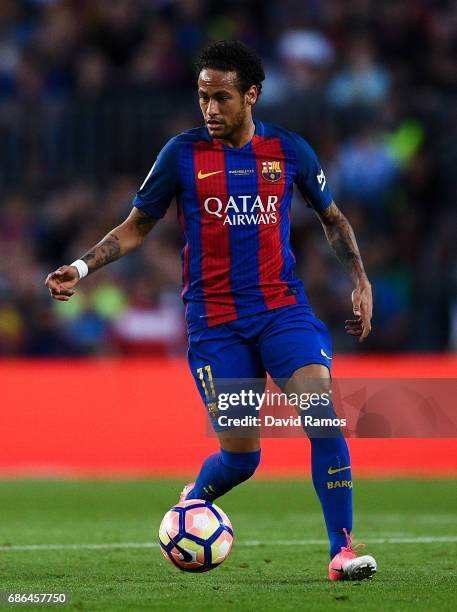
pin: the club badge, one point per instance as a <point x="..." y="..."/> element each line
<point x="271" y="171"/>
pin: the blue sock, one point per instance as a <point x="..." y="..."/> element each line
<point x="223" y="471"/>
<point x="333" y="483"/>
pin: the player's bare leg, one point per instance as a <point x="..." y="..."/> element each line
<point x="240" y="445"/>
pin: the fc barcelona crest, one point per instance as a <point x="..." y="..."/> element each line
<point x="271" y="171"/>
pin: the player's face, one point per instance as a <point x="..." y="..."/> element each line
<point x="225" y="110"/>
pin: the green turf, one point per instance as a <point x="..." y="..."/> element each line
<point x="267" y="577"/>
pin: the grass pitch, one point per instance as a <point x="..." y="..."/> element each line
<point x="279" y="560"/>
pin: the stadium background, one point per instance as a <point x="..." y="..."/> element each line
<point x="89" y="92"/>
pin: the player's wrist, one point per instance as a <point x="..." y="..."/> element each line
<point x="81" y="266"/>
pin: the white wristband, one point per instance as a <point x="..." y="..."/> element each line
<point x="82" y="268"/>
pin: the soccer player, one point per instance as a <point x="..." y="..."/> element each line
<point x="246" y="311"/>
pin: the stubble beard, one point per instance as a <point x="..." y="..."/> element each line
<point x="237" y="123"/>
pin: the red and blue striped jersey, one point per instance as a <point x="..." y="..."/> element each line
<point x="234" y="208"/>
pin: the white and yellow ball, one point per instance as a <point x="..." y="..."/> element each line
<point x="196" y="535"/>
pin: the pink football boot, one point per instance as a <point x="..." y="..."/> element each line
<point x="346" y="565"/>
<point x="185" y="492"/>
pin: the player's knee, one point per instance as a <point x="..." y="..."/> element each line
<point x="243" y="465"/>
<point x="320" y="420"/>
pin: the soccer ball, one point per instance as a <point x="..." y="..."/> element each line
<point x="195" y="535"/>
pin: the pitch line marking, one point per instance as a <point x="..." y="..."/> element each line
<point x="247" y="543"/>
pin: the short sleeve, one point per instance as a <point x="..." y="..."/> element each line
<point x="161" y="184"/>
<point x="310" y="178"/>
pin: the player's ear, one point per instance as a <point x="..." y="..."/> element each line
<point x="251" y="95"/>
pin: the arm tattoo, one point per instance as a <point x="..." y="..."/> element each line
<point x="120" y="240"/>
<point x="104" y="252"/>
<point x="342" y="239"/>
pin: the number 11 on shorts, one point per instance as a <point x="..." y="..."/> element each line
<point x="209" y="377"/>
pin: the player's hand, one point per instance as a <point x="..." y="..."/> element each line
<point x="362" y="306"/>
<point x="61" y="282"/>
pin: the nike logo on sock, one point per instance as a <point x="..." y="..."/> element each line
<point x="336" y="470"/>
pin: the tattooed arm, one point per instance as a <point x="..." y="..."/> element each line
<point x="342" y="239"/>
<point x="120" y="240"/>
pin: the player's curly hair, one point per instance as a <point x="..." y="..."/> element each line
<point x="233" y="55"/>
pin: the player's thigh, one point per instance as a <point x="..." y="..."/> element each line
<point x="296" y="346"/>
<point x="296" y="351"/>
<point x="222" y="364"/>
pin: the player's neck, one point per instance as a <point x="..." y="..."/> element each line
<point x="242" y="136"/>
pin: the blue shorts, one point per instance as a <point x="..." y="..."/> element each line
<point x="276" y="342"/>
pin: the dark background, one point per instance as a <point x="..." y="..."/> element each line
<point x="91" y="90"/>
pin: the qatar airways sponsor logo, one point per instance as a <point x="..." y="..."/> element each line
<point x="243" y="209"/>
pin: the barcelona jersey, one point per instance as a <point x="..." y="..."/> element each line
<point x="234" y="207"/>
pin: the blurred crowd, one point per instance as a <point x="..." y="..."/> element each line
<point x="91" y="89"/>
